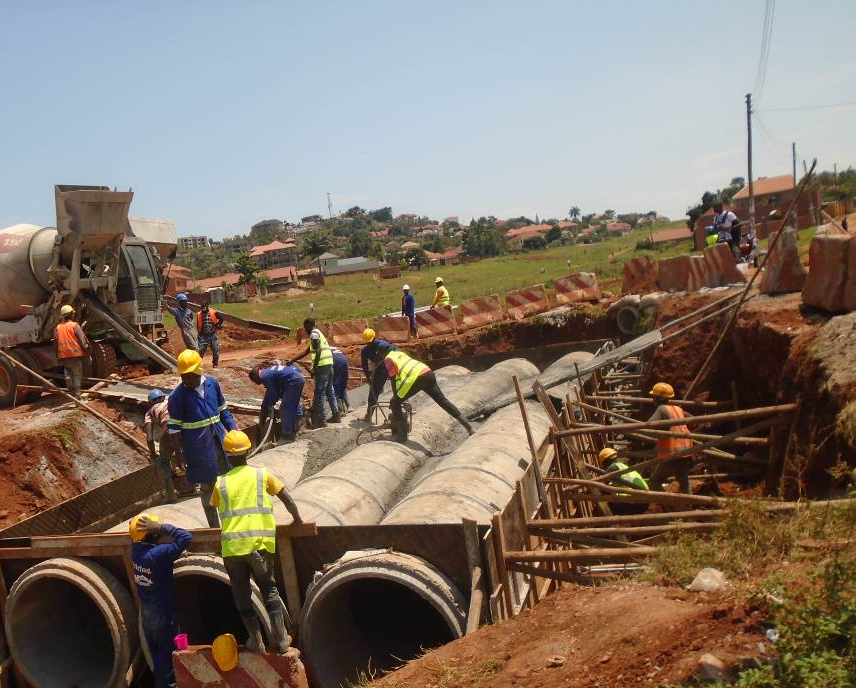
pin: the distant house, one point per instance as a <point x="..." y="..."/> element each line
<point x="568" y="224"/>
<point x="179" y="278"/>
<point x="238" y="244"/>
<point x="514" y="238"/>
<point x="407" y="217"/>
<point x="407" y="245"/>
<point x="282" y="278"/>
<point x="500" y="223"/>
<point x="276" y="254"/>
<point x="670" y="235"/>
<point x="326" y="260"/>
<point x="429" y="230"/>
<point x="189" y="243"/>
<point x="619" y="228"/>
<point x="345" y="266"/>
<point x="451" y="218"/>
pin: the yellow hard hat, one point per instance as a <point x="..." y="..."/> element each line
<point x="189" y="361"/>
<point x="224" y="649"/>
<point x="368" y="335"/>
<point x="663" y="389"/>
<point x="236" y="442"/>
<point x="437" y="280"/>
<point x="135" y="531"/>
<point x="66" y="310"/>
<point x="606" y="454"/>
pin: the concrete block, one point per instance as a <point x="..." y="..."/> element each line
<point x="640" y="275"/>
<point x="850" y="285"/>
<point x="673" y="273"/>
<point x="721" y="267"/>
<point x="698" y="273"/>
<point x="783" y="270"/>
<point x="827" y="276"/>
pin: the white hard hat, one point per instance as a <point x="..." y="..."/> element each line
<point x="406" y="287"/>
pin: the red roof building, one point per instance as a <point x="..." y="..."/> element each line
<point x="276" y="254"/>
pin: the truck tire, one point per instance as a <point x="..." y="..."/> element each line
<point x="33" y="364"/>
<point x="10" y="377"/>
<point x="103" y="359"/>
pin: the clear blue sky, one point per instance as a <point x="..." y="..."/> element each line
<point x="221" y="114"/>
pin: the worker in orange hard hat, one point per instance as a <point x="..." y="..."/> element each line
<point x="663" y="394"/>
<point x="70" y="347"/>
<point x="155" y="548"/>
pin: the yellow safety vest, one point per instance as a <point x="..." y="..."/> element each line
<point x="326" y="357"/>
<point x="408" y="370"/>
<point x="246" y="513"/>
<point x="441" y="298"/>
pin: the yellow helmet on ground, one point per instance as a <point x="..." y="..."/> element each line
<point x="438" y="280"/>
<point x="224" y="649"/>
<point x="369" y="335"/>
<point x="134" y="530"/>
<point x="606" y="454"/>
<point x="663" y="389"/>
<point x="189" y="361"/>
<point x="66" y="310"/>
<point x="236" y="442"/>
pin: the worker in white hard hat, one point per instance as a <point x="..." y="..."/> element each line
<point x="408" y="307"/>
<point x="248" y="538"/>
<point x="198" y="421"/>
<point x="70" y="347"/>
<point x="441" y="296"/>
<point x="155" y="548"/>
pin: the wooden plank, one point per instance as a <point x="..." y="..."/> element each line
<point x="551" y="574"/>
<point x="474" y="560"/>
<point x="289" y="578"/>
<point x="499" y="549"/>
<point x="493" y="582"/>
<point x="538" y="477"/>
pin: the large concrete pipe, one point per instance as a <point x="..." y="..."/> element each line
<point x="69" y="622"/>
<point x="477" y="479"/>
<point x="373" y="609"/>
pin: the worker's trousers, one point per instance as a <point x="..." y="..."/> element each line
<point x="376" y="383"/>
<point x="680" y="468"/>
<point x="340" y="378"/>
<point x="323" y="388"/>
<point x="160" y="631"/>
<point x="257" y="566"/>
<point x="291" y="408"/>
<point x="206" y="340"/>
<point x="426" y="383"/>
<point x="73" y="370"/>
<point x="206" y="490"/>
<point x="164" y="463"/>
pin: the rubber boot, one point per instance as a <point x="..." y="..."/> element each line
<point x="255" y="642"/>
<point x="281" y="641"/>
<point x="335" y="418"/>
<point x="399" y="427"/>
<point x="368" y="417"/>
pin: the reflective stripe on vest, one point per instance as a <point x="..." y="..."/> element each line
<point x="669" y="445"/>
<point x="441" y="298"/>
<point x="199" y="320"/>
<point x="326" y="357"/>
<point x="196" y="424"/>
<point x="246" y="514"/>
<point x="408" y="370"/>
<point x="67" y="345"/>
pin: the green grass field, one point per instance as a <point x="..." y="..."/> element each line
<point x="360" y="296"/>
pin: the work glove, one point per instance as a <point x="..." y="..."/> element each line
<point x="149" y="527"/>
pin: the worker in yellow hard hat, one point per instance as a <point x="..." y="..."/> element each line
<point x="155" y="548"/>
<point x="198" y="421"/>
<point x="372" y="354"/>
<point x="70" y="347"/>
<point x="663" y="394"/>
<point x="441" y="296"/>
<point x="609" y="461"/>
<point x="248" y="541"/>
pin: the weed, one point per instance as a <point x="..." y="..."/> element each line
<point x="65" y="436"/>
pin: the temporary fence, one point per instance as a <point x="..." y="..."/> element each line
<point x="481" y="311"/>
<point x="576" y="288"/>
<point x="434" y="321"/>
<point x="522" y="303"/>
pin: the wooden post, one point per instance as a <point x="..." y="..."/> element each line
<point x="474" y="559"/>
<point x="289" y="578"/>
<point x="542" y="494"/>
<point x="502" y="572"/>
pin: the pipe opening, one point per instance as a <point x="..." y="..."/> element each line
<point x="61" y="636"/>
<point x="206" y="608"/>
<point x="372" y="625"/>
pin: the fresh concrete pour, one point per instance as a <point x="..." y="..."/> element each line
<point x="352" y="617"/>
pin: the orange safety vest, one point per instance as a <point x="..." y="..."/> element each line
<point x="67" y="345"/>
<point x="215" y="320"/>
<point x="669" y="445"/>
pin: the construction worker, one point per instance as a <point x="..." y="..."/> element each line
<point x="248" y="538"/>
<point x="408" y="307"/>
<point x="441" y="296"/>
<point x="608" y="458"/>
<point x="340" y="380"/>
<point x="372" y="354"/>
<point x="186" y="322"/>
<point x="409" y="377"/>
<point x="322" y="373"/>
<point x="208" y="321"/>
<point x="155" y="548"/>
<point x="666" y="446"/>
<point x="157" y="438"/>
<point x="198" y="420"/>
<point x="70" y="348"/>
<point x="283" y="384"/>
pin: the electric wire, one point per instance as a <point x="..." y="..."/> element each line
<point x="764" y="57"/>
<point x="829" y="106"/>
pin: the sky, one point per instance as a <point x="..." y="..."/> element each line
<point x="220" y="114"/>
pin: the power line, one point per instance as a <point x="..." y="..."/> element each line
<point x="770" y="140"/>
<point x="809" y="107"/>
<point x="764" y="57"/>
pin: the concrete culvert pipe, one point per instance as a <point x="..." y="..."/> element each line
<point x="69" y="622"/>
<point x="626" y="318"/>
<point x="373" y="610"/>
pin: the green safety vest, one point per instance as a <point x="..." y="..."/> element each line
<point x="443" y="293"/>
<point x="408" y="370"/>
<point x="326" y="357"/>
<point x="632" y="479"/>
<point x="246" y="513"/>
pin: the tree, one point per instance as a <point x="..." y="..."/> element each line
<point x="316" y="244"/>
<point x="416" y="257"/>
<point x="574" y="213"/>
<point x="247" y="268"/>
<point x="354" y="211"/>
<point x="554" y="234"/>
<point x="359" y="243"/>
<point x="609" y="214"/>
<point x="381" y="214"/>
<point x="482" y="239"/>
<point x="587" y="219"/>
<point x="534" y="243"/>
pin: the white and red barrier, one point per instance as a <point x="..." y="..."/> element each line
<point x="721" y="266"/>
<point x="434" y="321"/>
<point x="196" y="668"/>
<point x="393" y="328"/>
<point x="576" y="288"/>
<point x="347" y="332"/>
<point x="481" y="311"/>
<point x="697" y="275"/>
<point x="522" y="303"/>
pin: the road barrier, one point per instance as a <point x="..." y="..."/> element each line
<point x="481" y="311"/>
<point x="522" y="303"/>
<point x="393" y="328"/>
<point x="640" y="275"/>
<point x="347" y="332"/>
<point x="697" y="275"/>
<point x="831" y="281"/>
<point x="196" y="668"/>
<point x="576" y="288"/>
<point x="721" y="266"/>
<point x="435" y="321"/>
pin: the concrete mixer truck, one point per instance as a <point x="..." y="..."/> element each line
<point x="92" y="260"/>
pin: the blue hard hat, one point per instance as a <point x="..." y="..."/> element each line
<point x="182" y="297"/>
<point x="155" y="395"/>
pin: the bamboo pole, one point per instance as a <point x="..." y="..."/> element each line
<point x="608" y="531"/>
<point x="536" y="466"/>
<point x="650" y="495"/>
<point x="621" y="396"/>
<point x="582" y="555"/>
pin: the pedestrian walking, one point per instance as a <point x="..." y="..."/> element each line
<point x="284" y="384"/>
<point x="322" y="374"/>
<point x="208" y="322"/>
<point x="371" y="360"/>
<point x="408" y="308"/>
<point x="70" y="347"/>
<point x="155" y="425"/>
<point x="186" y="322"/>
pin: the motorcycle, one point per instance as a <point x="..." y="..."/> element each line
<point x="748" y="250"/>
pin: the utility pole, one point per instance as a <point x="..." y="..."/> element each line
<point x="794" y="161"/>
<point x="329" y="206"/>
<point x="749" y="157"/>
